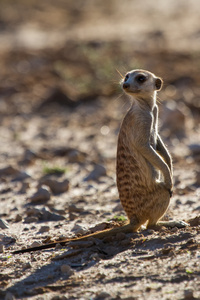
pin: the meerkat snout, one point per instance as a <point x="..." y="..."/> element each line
<point x="126" y="85"/>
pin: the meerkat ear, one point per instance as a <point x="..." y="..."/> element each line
<point x="158" y="83"/>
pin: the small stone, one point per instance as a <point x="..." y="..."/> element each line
<point x="42" y="195"/>
<point x="194" y="221"/>
<point x="57" y="187"/>
<point x="3" y="224"/>
<point x="197" y="178"/>
<point x="96" y="173"/>
<point x="67" y="270"/>
<point x="174" y="229"/>
<point x="103" y="295"/>
<point x="73" y="216"/>
<point x="9" y="171"/>
<point x="30" y="219"/>
<point x="44" y="229"/>
<point x="18" y="218"/>
<point x="79" y="229"/>
<point x="27" y="265"/>
<point x="73" y="208"/>
<point x="35" y="244"/>
<point x="58" y="246"/>
<point x="188" y="294"/>
<point x="9" y="296"/>
<point x="1" y="248"/>
<point x="24" y="187"/>
<point x="21" y="176"/>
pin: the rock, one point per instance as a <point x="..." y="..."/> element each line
<point x="194" y="221"/>
<point x="27" y="265"/>
<point x="96" y="173"/>
<point x="44" y="229"/>
<point x="21" y="176"/>
<point x="103" y="295"/>
<point x="79" y="229"/>
<point x="188" y="294"/>
<point x="9" y="296"/>
<point x="57" y="187"/>
<point x="3" y="224"/>
<point x="74" y="209"/>
<point x="197" y="182"/>
<point x="1" y="248"/>
<point x="75" y="156"/>
<point x="67" y="270"/>
<point x="24" y="187"/>
<point x="9" y="171"/>
<point x="47" y="215"/>
<point x="44" y="214"/>
<point x="18" y="218"/>
<point x="28" y="157"/>
<point x="42" y="195"/>
<point x="30" y="219"/>
<point x="35" y="244"/>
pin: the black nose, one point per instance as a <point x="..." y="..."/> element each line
<point x="126" y="85"/>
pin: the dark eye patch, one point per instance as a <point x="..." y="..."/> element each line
<point x="141" y="78"/>
<point x="126" y="77"/>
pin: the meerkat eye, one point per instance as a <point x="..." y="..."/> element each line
<point x="126" y="77"/>
<point x="141" y="78"/>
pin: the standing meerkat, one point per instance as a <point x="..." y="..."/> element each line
<point x="144" y="166"/>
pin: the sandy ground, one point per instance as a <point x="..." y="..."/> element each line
<point x="61" y="109"/>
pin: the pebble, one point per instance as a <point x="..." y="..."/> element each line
<point x="57" y="187"/>
<point x="9" y="296"/>
<point x="30" y="219"/>
<point x="103" y="295"/>
<point x="9" y="171"/>
<point x="21" y="176"/>
<point x="96" y="173"/>
<point x="74" y="209"/>
<point x="24" y="187"/>
<point x="3" y="224"/>
<point x="42" y="195"/>
<point x="67" y="270"/>
<point x="18" y="218"/>
<point x="188" y="294"/>
<point x="1" y="248"/>
<point x="44" y="229"/>
<point x="197" y="178"/>
<point x="35" y="244"/>
<point x="27" y="265"/>
<point x="75" y="156"/>
<point x="79" y="229"/>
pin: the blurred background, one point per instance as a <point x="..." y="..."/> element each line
<point x="61" y="107"/>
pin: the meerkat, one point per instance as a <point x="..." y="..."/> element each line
<point x="144" y="166"/>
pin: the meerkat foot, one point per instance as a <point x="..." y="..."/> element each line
<point x="170" y="224"/>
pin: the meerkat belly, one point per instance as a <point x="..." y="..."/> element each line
<point x="134" y="172"/>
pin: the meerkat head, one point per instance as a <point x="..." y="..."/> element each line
<point x="141" y="83"/>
